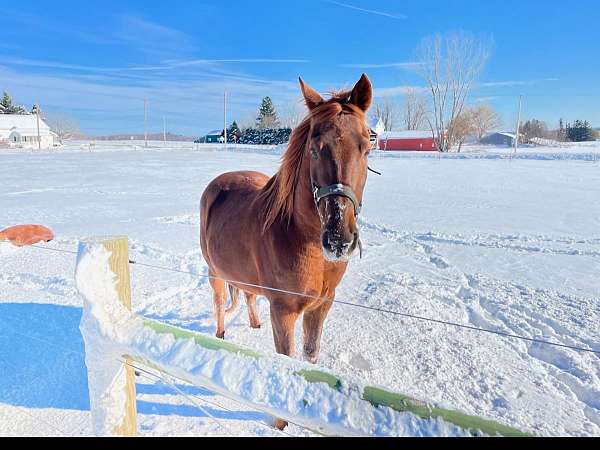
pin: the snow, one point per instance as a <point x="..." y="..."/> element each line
<point x="110" y="331"/>
<point x="484" y="237"/>
<point x="7" y="248"/>
<point x="102" y="323"/>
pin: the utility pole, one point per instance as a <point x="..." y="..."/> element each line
<point x="37" y="116"/>
<point x="518" y="124"/>
<point x="145" y="123"/>
<point x="165" y="129"/>
<point x="225" y="120"/>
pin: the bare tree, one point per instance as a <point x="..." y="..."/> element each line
<point x="293" y="113"/>
<point x="386" y="111"/>
<point x="450" y="64"/>
<point x="534" y="129"/>
<point x="484" y="120"/>
<point x="414" y="112"/>
<point x="64" y="127"/>
<point x="462" y="126"/>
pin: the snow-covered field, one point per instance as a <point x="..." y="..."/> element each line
<point x="484" y="238"/>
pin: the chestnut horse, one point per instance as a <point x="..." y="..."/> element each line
<point x="296" y="230"/>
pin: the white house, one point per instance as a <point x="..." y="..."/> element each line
<point x="376" y="128"/>
<point x="21" y="131"/>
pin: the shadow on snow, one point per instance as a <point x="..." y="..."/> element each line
<point x="42" y="365"/>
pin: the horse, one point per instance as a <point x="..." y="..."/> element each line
<point x="295" y="231"/>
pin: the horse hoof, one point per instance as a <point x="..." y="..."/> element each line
<point x="280" y="424"/>
<point x="221" y="335"/>
<point x="256" y="327"/>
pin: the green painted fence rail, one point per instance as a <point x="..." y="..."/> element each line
<point x="374" y="395"/>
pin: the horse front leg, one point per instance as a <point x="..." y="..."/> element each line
<point x="312" y="325"/>
<point x="283" y="321"/>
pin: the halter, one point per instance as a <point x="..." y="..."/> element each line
<point x="338" y="189"/>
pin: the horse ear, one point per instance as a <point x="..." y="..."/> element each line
<point x="362" y="93"/>
<point x="311" y="97"/>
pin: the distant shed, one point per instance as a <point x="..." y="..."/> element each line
<point x="499" y="138"/>
<point x="214" y="136"/>
<point x="416" y="141"/>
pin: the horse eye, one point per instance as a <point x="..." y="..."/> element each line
<point x="313" y="153"/>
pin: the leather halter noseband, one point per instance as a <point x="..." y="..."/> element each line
<point x="338" y="189"/>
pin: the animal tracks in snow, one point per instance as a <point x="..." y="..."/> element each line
<point x="519" y="243"/>
<point x="505" y="305"/>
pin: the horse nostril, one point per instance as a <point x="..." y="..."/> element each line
<point x="325" y="240"/>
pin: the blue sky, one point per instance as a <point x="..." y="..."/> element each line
<point x="98" y="61"/>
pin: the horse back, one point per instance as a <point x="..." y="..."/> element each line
<point x="227" y="198"/>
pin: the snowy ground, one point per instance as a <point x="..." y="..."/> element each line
<point x="482" y="238"/>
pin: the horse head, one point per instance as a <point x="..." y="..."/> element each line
<point x="337" y="147"/>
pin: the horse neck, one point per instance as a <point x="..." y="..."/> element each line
<point x="305" y="216"/>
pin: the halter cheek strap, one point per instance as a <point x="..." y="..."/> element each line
<point x="340" y="190"/>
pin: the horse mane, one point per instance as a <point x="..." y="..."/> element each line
<point x="276" y="199"/>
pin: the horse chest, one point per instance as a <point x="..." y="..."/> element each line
<point x="308" y="272"/>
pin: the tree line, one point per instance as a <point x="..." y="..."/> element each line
<point x="266" y="130"/>
<point x="450" y="64"/>
<point x="579" y="131"/>
<point x="8" y="107"/>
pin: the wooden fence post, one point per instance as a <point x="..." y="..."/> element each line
<point x="119" y="265"/>
<point x="111" y="382"/>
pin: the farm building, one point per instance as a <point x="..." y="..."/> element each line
<point x="214" y="136"/>
<point x="499" y="138"/>
<point x="376" y="127"/>
<point x="21" y="130"/>
<point x="419" y="141"/>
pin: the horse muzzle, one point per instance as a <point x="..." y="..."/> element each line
<point x="337" y="248"/>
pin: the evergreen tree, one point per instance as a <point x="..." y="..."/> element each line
<point x="233" y="132"/>
<point x="267" y="116"/>
<point x="7" y="107"/>
<point x="581" y="131"/>
<point x="562" y="132"/>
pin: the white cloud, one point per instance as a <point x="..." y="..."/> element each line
<point x="152" y="38"/>
<point x="401" y="65"/>
<point x="511" y="83"/>
<point x="369" y="11"/>
<point x="112" y="102"/>
<point x="165" y="65"/>
<point x="395" y="91"/>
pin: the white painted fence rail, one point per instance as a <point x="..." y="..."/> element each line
<point x="277" y="385"/>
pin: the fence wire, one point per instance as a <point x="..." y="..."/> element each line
<point x="356" y="305"/>
<point x="76" y="430"/>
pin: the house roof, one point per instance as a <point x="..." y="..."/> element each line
<point x="24" y="124"/>
<point x="502" y="133"/>
<point x="411" y="134"/>
<point x="214" y="133"/>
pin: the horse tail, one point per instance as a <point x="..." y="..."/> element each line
<point x="209" y="196"/>
<point x="234" y="293"/>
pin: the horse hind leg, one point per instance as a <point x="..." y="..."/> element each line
<point x="234" y="293"/>
<point x="219" y="301"/>
<point x="252" y="311"/>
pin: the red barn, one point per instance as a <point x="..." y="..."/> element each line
<point x="415" y="141"/>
